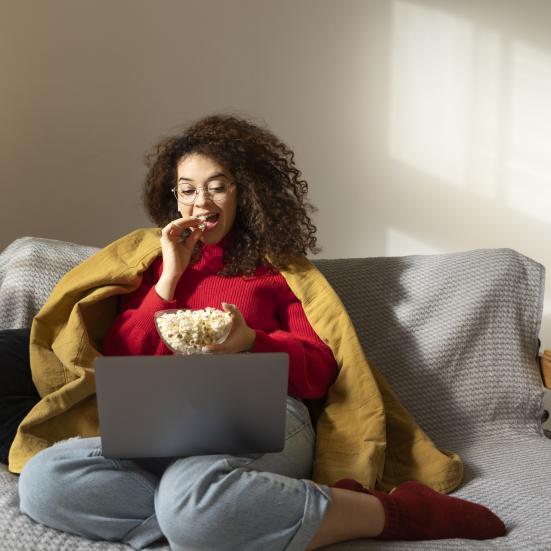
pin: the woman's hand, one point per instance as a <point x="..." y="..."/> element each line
<point x="241" y="337"/>
<point x="176" y="254"/>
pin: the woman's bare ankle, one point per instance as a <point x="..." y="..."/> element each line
<point x="350" y="515"/>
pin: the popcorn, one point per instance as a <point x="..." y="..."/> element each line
<point x="187" y="331"/>
<point x="203" y="225"/>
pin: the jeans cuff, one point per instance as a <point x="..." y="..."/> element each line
<point x="317" y="500"/>
<point x="144" y="534"/>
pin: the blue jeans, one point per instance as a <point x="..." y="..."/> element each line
<point x="261" y="502"/>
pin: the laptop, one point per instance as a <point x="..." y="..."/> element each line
<point x="174" y="406"/>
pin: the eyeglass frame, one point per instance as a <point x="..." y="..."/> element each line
<point x="174" y="191"/>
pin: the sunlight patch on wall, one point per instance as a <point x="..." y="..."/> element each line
<point x="544" y="333"/>
<point x="547" y="307"/>
<point x="529" y="170"/>
<point x="399" y="243"/>
<point x="430" y="81"/>
<point x="445" y="97"/>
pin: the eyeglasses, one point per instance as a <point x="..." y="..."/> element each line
<point x="216" y="192"/>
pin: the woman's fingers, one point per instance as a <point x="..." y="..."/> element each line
<point x="241" y="337"/>
<point x="183" y="223"/>
<point x="174" y="229"/>
<point x="190" y="241"/>
<point x="232" y="309"/>
<point x="176" y="251"/>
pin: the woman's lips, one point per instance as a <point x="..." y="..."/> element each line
<point x="211" y="223"/>
<point x="208" y="222"/>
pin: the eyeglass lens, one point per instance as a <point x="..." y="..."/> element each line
<point x="188" y="194"/>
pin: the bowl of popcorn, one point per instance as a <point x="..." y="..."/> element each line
<point x="186" y="331"/>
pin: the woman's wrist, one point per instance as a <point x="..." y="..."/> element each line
<point x="251" y="340"/>
<point x="166" y="286"/>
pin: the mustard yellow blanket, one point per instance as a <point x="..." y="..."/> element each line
<point x="362" y="433"/>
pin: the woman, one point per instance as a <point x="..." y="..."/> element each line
<point x="228" y="196"/>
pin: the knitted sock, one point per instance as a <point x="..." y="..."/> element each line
<point x="414" y="511"/>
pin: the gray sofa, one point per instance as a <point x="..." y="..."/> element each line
<point x="456" y="335"/>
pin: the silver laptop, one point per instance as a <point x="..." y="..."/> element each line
<point x="173" y="406"/>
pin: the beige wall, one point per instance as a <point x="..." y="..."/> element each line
<point x="422" y="126"/>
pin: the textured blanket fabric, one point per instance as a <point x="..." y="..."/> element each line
<point x="29" y="269"/>
<point x="456" y="337"/>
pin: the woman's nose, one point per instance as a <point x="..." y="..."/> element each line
<point x="202" y="197"/>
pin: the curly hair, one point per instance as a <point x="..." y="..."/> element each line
<point x="272" y="219"/>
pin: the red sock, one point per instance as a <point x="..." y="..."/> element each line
<point x="414" y="511"/>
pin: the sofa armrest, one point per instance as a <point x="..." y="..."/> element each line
<point x="545" y="368"/>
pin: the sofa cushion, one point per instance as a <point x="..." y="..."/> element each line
<point x="456" y="337"/>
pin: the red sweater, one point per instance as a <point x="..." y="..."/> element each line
<point x="265" y="300"/>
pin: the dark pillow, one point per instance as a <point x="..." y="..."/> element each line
<point x="18" y="394"/>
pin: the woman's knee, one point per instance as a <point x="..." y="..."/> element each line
<point x="41" y="485"/>
<point x="72" y="487"/>
<point x="191" y="500"/>
<point x="225" y="504"/>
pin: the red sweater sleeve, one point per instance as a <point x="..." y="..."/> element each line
<point x="312" y="367"/>
<point x="133" y="332"/>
